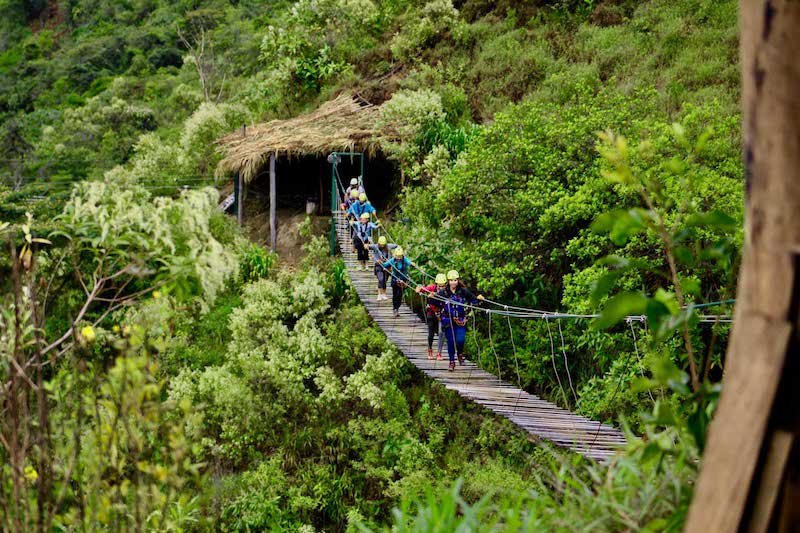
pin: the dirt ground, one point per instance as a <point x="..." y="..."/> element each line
<point x="256" y="227"/>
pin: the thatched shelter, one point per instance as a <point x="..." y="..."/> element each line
<point x="344" y="124"/>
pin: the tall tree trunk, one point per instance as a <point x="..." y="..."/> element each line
<point x="750" y="469"/>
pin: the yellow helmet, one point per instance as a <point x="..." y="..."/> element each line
<point x="354" y="193"/>
<point x="441" y="279"/>
<point x="364" y="216"/>
<point x="398" y="252"/>
<point x="382" y="240"/>
<point x="452" y="275"/>
<point x="362" y="197"/>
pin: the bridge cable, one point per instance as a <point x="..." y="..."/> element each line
<point x="638" y="357"/>
<point x="553" y="359"/>
<point x="491" y="344"/>
<point x="566" y="363"/>
<point x="516" y="363"/>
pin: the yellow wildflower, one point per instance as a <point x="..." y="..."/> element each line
<point x="31" y="474"/>
<point x="87" y="332"/>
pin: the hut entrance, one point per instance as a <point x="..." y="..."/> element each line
<point x="283" y="163"/>
<point x="304" y="183"/>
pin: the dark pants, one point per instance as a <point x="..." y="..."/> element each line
<point x="456" y="336"/>
<point x="397" y="293"/>
<point x="381" y="274"/>
<point x="434" y="328"/>
<point x="361" y="250"/>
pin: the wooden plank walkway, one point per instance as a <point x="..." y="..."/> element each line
<point x="538" y="417"/>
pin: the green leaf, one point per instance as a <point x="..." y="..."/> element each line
<point x="627" y="225"/>
<point x="656" y="312"/>
<point x="663" y="415"/>
<point x="716" y="219"/>
<point x="698" y="426"/>
<point x="641" y="384"/>
<point x="657" y="524"/>
<point x="667" y="373"/>
<point x="621" y="224"/>
<point x="676" y="165"/>
<point x="620" y="306"/>
<point x="614" y="261"/>
<point x="703" y="139"/>
<point x="603" y="285"/>
<point x="667" y="298"/>
<point x="684" y="255"/>
<point x="605" y="222"/>
<point x="690" y="285"/>
<point x="651" y="451"/>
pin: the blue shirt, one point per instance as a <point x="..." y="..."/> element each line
<point x="357" y="208"/>
<point x="364" y="231"/>
<point x="398" y="268"/>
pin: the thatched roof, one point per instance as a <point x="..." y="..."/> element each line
<point x="342" y="124"/>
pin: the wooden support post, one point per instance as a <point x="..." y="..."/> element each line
<point x="750" y="468"/>
<point x="273" y="200"/>
<point x="239" y="198"/>
<point x="239" y="189"/>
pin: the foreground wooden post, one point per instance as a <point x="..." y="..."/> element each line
<point x="750" y="469"/>
<point x="273" y="222"/>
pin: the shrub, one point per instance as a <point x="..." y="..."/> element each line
<point x="201" y="131"/>
<point x="436" y="17"/>
<point x="255" y="263"/>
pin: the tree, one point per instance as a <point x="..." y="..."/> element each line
<point x="196" y="37"/>
<point x="82" y="444"/>
<point x="15" y="147"/>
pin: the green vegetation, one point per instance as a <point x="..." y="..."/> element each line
<point x="569" y="155"/>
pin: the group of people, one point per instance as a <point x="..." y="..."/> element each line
<point x="448" y="299"/>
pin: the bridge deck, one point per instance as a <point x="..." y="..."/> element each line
<point x="533" y="414"/>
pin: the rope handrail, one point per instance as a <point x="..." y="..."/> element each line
<point x="530" y="313"/>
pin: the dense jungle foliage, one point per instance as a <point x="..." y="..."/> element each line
<point x="159" y="371"/>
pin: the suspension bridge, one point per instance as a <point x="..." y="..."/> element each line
<point x="539" y="418"/>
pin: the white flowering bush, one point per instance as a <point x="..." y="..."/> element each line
<point x="369" y="383"/>
<point x="118" y="228"/>
<point x="437" y="17"/>
<point x="154" y="163"/>
<point x="207" y="124"/>
<point x="408" y="111"/>
<point x="308" y="296"/>
<point x="330" y="385"/>
<point x="436" y="164"/>
<point x="282" y="361"/>
<point x="406" y="115"/>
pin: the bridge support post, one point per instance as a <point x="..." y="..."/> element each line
<point x="273" y="200"/>
<point x="334" y="208"/>
<point x="238" y="191"/>
<point x="750" y="477"/>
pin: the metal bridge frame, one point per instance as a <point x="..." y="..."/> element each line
<point x="333" y="158"/>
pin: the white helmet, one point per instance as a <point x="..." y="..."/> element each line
<point x="354" y="181"/>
